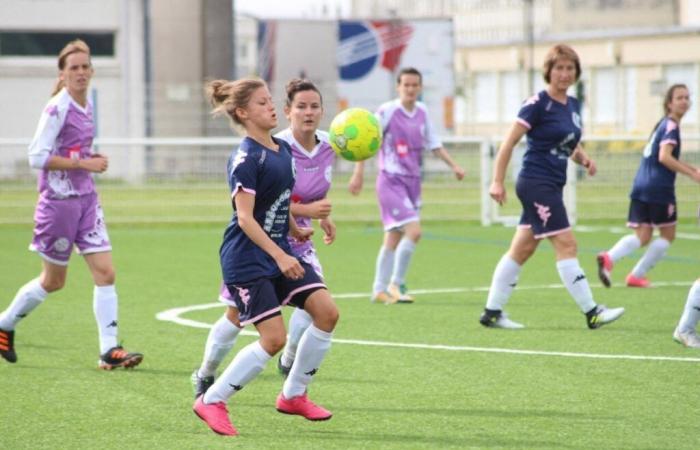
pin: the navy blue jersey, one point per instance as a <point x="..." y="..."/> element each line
<point x="654" y="182"/>
<point x="554" y="131"/>
<point x="269" y="175"/>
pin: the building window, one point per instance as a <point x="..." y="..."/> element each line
<point x="486" y="97"/>
<point x="605" y="96"/>
<point x="512" y="96"/>
<point x="23" y="43"/>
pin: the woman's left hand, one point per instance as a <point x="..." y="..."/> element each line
<point x="301" y="234"/>
<point x="328" y="228"/>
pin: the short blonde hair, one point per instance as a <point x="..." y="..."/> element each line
<point x="225" y="96"/>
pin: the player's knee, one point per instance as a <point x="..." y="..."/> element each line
<point x="329" y="319"/>
<point x="104" y="276"/>
<point x="53" y="284"/>
<point x="273" y="344"/>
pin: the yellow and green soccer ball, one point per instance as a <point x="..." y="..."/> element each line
<point x="355" y="134"/>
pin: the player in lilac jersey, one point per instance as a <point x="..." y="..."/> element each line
<point x="408" y="133"/>
<point x="314" y="159"/>
<point x="68" y="212"/>
<point x="257" y="263"/>
<point x="653" y="196"/>
<point x="552" y="121"/>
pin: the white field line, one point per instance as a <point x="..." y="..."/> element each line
<point x="623" y="230"/>
<point x="173" y="315"/>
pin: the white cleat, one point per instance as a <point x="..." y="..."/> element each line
<point x="602" y="316"/>
<point x="499" y="321"/>
<point x="687" y="339"/>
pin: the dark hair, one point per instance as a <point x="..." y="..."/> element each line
<point x="297" y="85"/>
<point x="668" y="98"/>
<point x="75" y="46"/>
<point x="225" y="96"/>
<point x="560" y="51"/>
<point x="409" y="71"/>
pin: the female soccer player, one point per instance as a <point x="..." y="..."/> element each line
<point x="257" y="262"/>
<point x="313" y="158"/>
<point x="68" y="212"/>
<point x="407" y="134"/>
<point x="653" y="196"/>
<point x="552" y="121"/>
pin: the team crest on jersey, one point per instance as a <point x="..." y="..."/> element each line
<point x="576" y="119"/>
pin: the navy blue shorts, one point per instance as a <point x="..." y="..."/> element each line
<point x="644" y="214"/>
<point x="543" y="207"/>
<point x="263" y="298"/>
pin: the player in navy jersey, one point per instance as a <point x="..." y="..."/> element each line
<point x="653" y="196"/>
<point x="686" y="330"/>
<point x="68" y="213"/>
<point x="408" y="133"/>
<point x="314" y="159"/>
<point x="257" y="262"/>
<point x="552" y="122"/>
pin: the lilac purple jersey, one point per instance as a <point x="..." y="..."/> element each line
<point x="68" y="213"/>
<point x="407" y="134"/>
<point x="554" y="131"/>
<point x="269" y="176"/>
<point x="654" y="182"/>
<point x="314" y="172"/>
<point x="65" y="129"/>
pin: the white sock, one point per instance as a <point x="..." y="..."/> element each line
<point x="312" y="349"/>
<point x="247" y="364"/>
<point x="402" y="258"/>
<point x="221" y="338"/>
<point x="298" y="324"/>
<point x="384" y="267"/>
<point x="656" y="251"/>
<point x="691" y="313"/>
<point x="27" y="298"/>
<point x="624" y="247"/>
<point x="104" y="305"/>
<point x="576" y="283"/>
<point x="505" y="277"/>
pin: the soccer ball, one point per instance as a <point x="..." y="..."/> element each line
<point x="355" y="134"/>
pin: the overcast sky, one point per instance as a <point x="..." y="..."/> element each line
<point x="310" y="9"/>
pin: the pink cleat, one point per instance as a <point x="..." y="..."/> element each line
<point x="605" y="266"/>
<point x="302" y="406"/>
<point x="215" y="415"/>
<point x="641" y="282"/>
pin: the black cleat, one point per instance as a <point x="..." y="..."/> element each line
<point x="283" y="370"/>
<point x="491" y="318"/>
<point x="7" y="345"/>
<point x="200" y="385"/>
<point x="118" y="357"/>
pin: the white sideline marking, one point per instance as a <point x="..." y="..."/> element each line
<point x="173" y="315"/>
<point x="623" y="230"/>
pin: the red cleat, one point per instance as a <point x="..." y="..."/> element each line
<point x="605" y="266"/>
<point x="641" y="282"/>
<point x="302" y="406"/>
<point x="215" y="415"/>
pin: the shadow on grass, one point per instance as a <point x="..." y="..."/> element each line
<point x="431" y="441"/>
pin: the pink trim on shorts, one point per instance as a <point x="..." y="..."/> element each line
<point x="58" y="262"/>
<point x="395" y="225"/>
<point x="665" y="224"/>
<point x="637" y="224"/>
<point x="239" y="187"/>
<point x="524" y="226"/>
<point x="227" y="301"/>
<point x="89" y="251"/>
<point x="302" y="289"/>
<point x="261" y="316"/>
<point x="551" y="233"/>
<point x="524" y="123"/>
